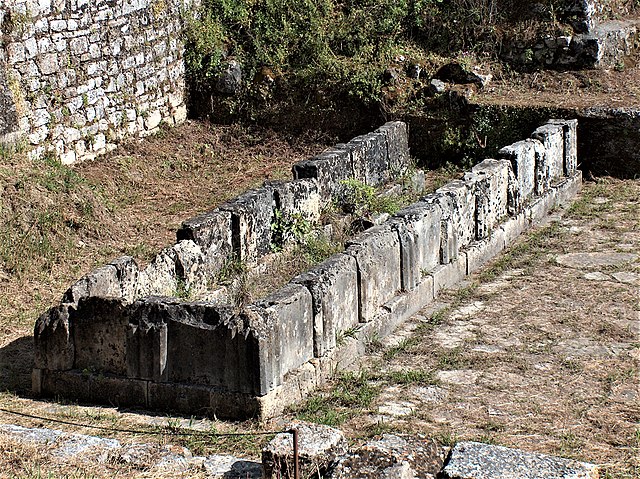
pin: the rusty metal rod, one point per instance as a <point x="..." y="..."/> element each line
<point x="296" y="466"/>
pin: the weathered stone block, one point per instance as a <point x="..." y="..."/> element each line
<point x="524" y="155"/>
<point x="570" y="130"/>
<point x="551" y="135"/>
<point x="212" y="232"/>
<point x="319" y="447"/>
<point x="377" y="253"/>
<point x="376" y="162"/>
<point x="391" y="456"/>
<point x="127" y="273"/>
<point x="53" y="342"/>
<point x="189" y="268"/>
<point x="329" y="168"/>
<point x="290" y="313"/>
<point x="447" y="275"/>
<point x="568" y="188"/>
<point x="474" y="460"/>
<point x="298" y="197"/>
<point x="103" y="282"/>
<point x="159" y="277"/>
<point x="334" y="288"/>
<point x="251" y="216"/>
<point x="492" y="194"/>
<point x="458" y="198"/>
<point x="397" y="139"/>
<point x="480" y="252"/>
<point x="419" y="229"/>
<point x="94" y="387"/>
<point x="448" y="234"/>
<point x="99" y="331"/>
<point x="356" y="152"/>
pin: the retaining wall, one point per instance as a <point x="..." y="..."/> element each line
<point x="117" y="338"/>
<point x="77" y="77"/>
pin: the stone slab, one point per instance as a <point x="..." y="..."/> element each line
<point x="397" y="139"/>
<point x="334" y="288"/>
<point x="596" y="259"/>
<point x="329" y="168"/>
<point x="473" y="460"/>
<point x="458" y="198"/>
<point x="298" y="198"/>
<point x="551" y="135"/>
<point x="377" y="253"/>
<point x="53" y="340"/>
<point x="212" y="232"/>
<point x="369" y="155"/>
<point x="419" y="229"/>
<point x="251" y="216"/>
<point x="447" y="275"/>
<point x="492" y="194"/>
<point x="523" y="155"/>
<point x="481" y="252"/>
<point x="570" y="131"/>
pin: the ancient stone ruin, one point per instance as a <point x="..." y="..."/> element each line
<point x="126" y="336"/>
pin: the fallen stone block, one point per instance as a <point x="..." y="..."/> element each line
<point x="391" y="457"/>
<point x="419" y="228"/>
<point x="251" y="217"/>
<point x="319" y="447"/>
<point x="212" y="232"/>
<point x="329" y="168"/>
<point x="397" y="139"/>
<point x="377" y="253"/>
<point x="334" y="288"/>
<point x="473" y="460"/>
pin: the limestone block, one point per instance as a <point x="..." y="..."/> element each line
<point x="480" y="252"/>
<point x="448" y="233"/>
<point x="159" y="277"/>
<point x="102" y="281"/>
<point x="298" y="197"/>
<point x="356" y="152"/>
<point x="127" y="273"/>
<point x="397" y="138"/>
<point x="391" y="456"/>
<point x="334" y="288"/>
<point x="206" y="345"/>
<point x="524" y="155"/>
<point x="319" y="447"/>
<point x="376" y="162"/>
<point x="447" y="275"/>
<point x="514" y="227"/>
<point x="330" y="168"/>
<point x="53" y="342"/>
<point x="189" y="266"/>
<point x="212" y="232"/>
<point x="99" y="327"/>
<point x="457" y="197"/>
<point x="419" y="229"/>
<point x="290" y="312"/>
<point x="492" y="194"/>
<point x="551" y="135"/>
<point x="570" y="130"/>
<point x="251" y="217"/>
<point x="377" y="253"/>
<point x="474" y="460"/>
<point x="94" y="387"/>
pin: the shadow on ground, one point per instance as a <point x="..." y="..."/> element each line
<point x="16" y="361"/>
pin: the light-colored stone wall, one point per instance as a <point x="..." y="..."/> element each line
<point x="82" y="75"/>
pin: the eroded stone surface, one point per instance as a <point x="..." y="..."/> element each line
<point x="595" y="260"/>
<point x="473" y="460"/>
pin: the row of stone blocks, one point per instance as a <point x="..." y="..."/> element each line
<point x="110" y="341"/>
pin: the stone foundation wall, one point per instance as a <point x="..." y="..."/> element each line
<point x="77" y="77"/>
<point x="118" y="337"/>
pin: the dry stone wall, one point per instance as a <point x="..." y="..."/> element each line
<point x="78" y="76"/>
<point x="123" y="335"/>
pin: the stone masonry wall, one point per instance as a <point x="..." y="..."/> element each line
<point x="123" y="335"/>
<point x="78" y="76"/>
